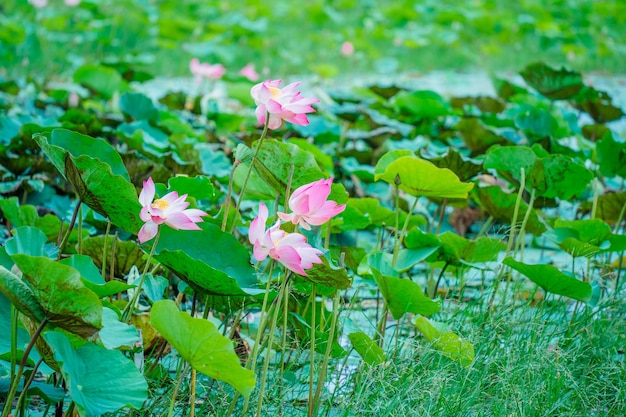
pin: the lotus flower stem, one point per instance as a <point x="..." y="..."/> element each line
<point x="254" y="157"/>
<point x="20" y="370"/>
<point x="322" y="377"/>
<point x="69" y="230"/>
<point x="128" y="311"/>
<point x="311" y="408"/>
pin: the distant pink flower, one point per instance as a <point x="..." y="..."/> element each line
<point x="169" y="210"/>
<point x="206" y="70"/>
<point x="290" y="249"/>
<point x="347" y="48"/>
<point x="249" y="72"/>
<point x="72" y="3"/>
<point x="39" y="3"/>
<point x="281" y="103"/>
<point x="309" y="205"/>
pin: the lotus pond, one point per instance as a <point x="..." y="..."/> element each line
<point x="210" y="209"/>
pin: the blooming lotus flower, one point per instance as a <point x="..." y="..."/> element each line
<point x="281" y="103"/>
<point x="309" y="205"/>
<point x="171" y="210"/>
<point x="290" y="249"/>
<point x="347" y="48"/>
<point x="206" y="70"/>
<point x="249" y="72"/>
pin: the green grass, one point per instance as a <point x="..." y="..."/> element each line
<point x="530" y="361"/>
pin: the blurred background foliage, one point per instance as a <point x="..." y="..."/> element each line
<point x="293" y="37"/>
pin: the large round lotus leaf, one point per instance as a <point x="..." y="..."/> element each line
<point x="99" y="380"/>
<point x="201" y="344"/>
<point x="102" y="186"/>
<point x="66" y="301"/>
<point x="209" y="259"/>
<point x="419" y="177"/>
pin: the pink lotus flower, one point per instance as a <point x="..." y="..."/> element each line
<point x="39" y="3"/>
<point x="347" y="48"/>
<point x="171" y="210"/>
<point x="309" y="206"/>
<point x="249" y="72"/>
<point x="206" y="70"/>
<point x="281" y="103"/>
<point x="290" y="249"/>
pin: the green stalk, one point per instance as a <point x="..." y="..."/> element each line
<point x="128" y="311"/>
<point x="104" y="250"/>
<point x="270" y="341"/>
<point x="179" y="380"/>
<point x="509" y="245"/>
<point x="251" y="362"/>
<point x="66" y="237"/>
<point x="322" y="377"/>
<point x="311" y="407"/>
<point x="254" y="158"/>
<point x="20" y="400"/>
<point x="79" y="226"/>
<point x="229" y="195"/>
<point x="14" y="326"/>
<point x="20" y="371"/>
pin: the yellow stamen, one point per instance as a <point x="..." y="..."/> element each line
<point x="160" y="204"/>
<point x="274" y="92"/>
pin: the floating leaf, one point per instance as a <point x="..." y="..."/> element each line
<point x="210" y="259"/>
<point x="91" y="384"/>
<point x="103" y="80"/>
<point x="553" y="280"/>
<point x="419" y="177"/>
<point x="421" y="104"/>
<point x="404" y="296"/>
<point x="201" y="344"/>
<point x="448" y="343"/>
<point x="367" y="349"/>
<point x="67" y="303"/>
<point x="554" y="84"/>
<point x="138" y="106"/>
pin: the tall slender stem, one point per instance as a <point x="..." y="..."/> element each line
<point x="66" y="237"/>
<point x="331" y="335"/>
<point x="311" y="407"/>
<point x="254" y="158"/>
<point x="20" y="371"/>
<point x="128" y="311"/>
